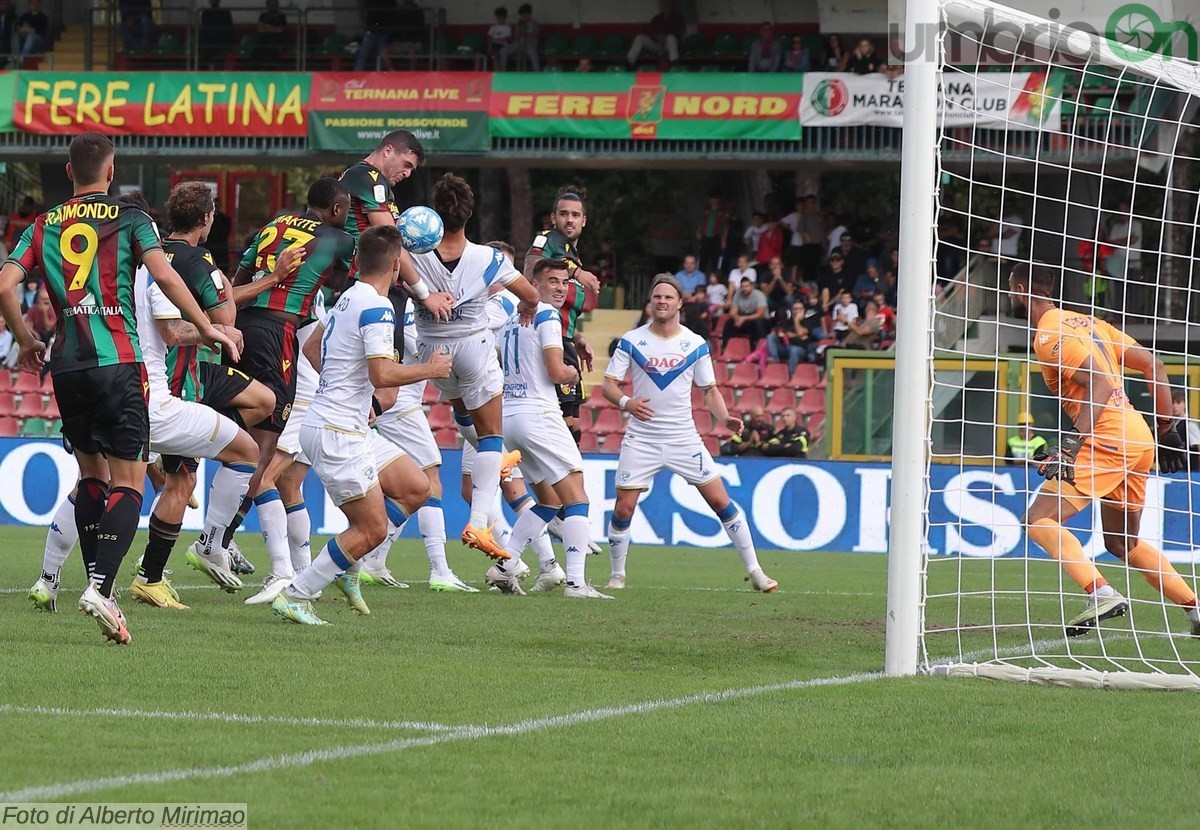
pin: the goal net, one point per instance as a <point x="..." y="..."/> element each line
<point x="1053" y="146"/>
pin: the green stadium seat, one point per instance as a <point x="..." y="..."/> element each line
<point x="585" y="46"/>
<point x="552" y="67"/>
<point x="169" y="44"/>
<point x="474" y="43"/>
<point x="710" y="67"/>
<point x="333" y="44"/>
<point x="725" y="46"/>
<point x="612" y="46"/>
<point x="694" y="46"/>
<point x="616" y="67"/>
<point x="446" y="44"/>
<point x="556" y="46"/>
<point x="35" y="428"/>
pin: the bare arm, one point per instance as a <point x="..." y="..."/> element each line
<point x="556" y="369"/>
<point x="385" y="373"/>
<point x="226" y="314"/>
<point x="32" y="349"/>
<point x="1155" y="371"/>
<point x="245" y="288"/>
<point x="758" y="314"/>
<point x="637" y="407"/>
<point x="716" y="405"/>
<point x="178" y="332"/>
<point x="177" y="292"/>
<point x="528" y="296"/>
<point x="312" y="346"/>
<point x="439" y="303"/>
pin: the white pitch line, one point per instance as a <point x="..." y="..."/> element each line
<point x="465" y="733"/>
<point x="230" y="717"/>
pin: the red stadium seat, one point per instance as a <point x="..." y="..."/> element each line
<point x="8" y="405"/>
<point x="751" y="398"/>
<point x="589" y="442"/>
<point x="612" y="443"/>
<point x="52" y="409"/>
<point x="9" y="427"/>
<point x="728" y="394"/>
<point x="782" y="399"/>
<point x="441" y="417"/>
<point x="775" y="376"/>
<point x="447" y="439"/>
<point x="812" y="402"/>
<point x="31" y="406"/>
<point x="806" y="376"/>
<point x="698" y="398"/>
<point x="737" y="350"/>
<point x="816" y="425"/>
<point x="609" y="422"/>
<point x="703" y="419"/>
<point x="597" y="401"/>
<point x="431" y="396"/>
<point x="713" y="445"/>
<point x="714" y="349"/>
<point x="721" y="432"/>
<point x="6" y="380"/>
<point x="828" y="343"/>
<point x="27" y="384"/>
<point x="744" y="376"/>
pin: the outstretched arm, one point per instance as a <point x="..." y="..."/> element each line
<point x="1142" y="360"/>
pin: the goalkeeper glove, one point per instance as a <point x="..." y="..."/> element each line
<point x="1059" y="462"/>
<point x="1172" y="455"/>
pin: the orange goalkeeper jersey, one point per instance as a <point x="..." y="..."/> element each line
<point x="1063" y="343"/>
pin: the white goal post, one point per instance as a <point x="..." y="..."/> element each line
<point x="1026" y="140"/>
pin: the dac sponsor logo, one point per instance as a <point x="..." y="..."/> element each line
<point x="664" y="363"/>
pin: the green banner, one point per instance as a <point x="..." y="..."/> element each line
<point x="447" y="111"/>
<point x="8" y="94"/>
<point x="646" y="106"/>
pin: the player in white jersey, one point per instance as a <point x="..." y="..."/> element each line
<point x="370" y="479"/>
<point x="532" y="359"/>
<point x="467" y="272"/>
<point x="665" y="360"/>
<point x="405" y="425"/>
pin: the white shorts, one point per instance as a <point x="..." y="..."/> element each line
<point x="641" y="459"/>
<point x="410" y="431"/>
<point x="475" y="376"/>
<point x="189" y="429"/>
<point x="548" y="452"/>
<point x="348" y="463"/>
<point x="289" y="439"/>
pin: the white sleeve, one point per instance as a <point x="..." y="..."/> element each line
<point x="704" y="376"/>
<point x="618" y="367"/>
<point x="160" y="306"/>
<point x="549" y="330"/>
<point x="508" y="274"/>
<point x="377" y="325"/>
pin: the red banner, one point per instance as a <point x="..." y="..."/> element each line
<point x="401" y="91"/>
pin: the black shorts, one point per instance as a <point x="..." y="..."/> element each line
<point x="222" y="385"/>
<point x="104" y="410"/>
<point x="570" y="395"/>
<point x="180" y="463"/>
<point x="269" y="356"/>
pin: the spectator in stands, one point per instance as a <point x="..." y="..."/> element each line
<point x="1124" y="234"/>
<point x="756" y="431"/>
<point x="863" y="60"/>
<point x="410" y="37"/>
<point x="1188" y="429"/>
<point x="777" y="285"/>
<point x="790" y="440"/>
<point x="886" y="316"/>
<point x="19" y="221"/>
<point x="666" y="28"/>
<point x="811" y="227"/>
<point x="29" y="292"/>
<point x="8" y="31"/>
<point x="845" y="312"/>
<point x="791" y="224"/>
<point x="791" y="342"/>
<point x="891" y="280"/>
<point x="33" y="30"/>
<point x="379" y="21"/>
<point x="743" y="271"/>
<point x="811" y="316"/>
<point x="8" y="354"/>
<point x="735" y="230"/>
<point x="832" y="280"/>
<point x="604" y="266"/>
<point x="834" y="228"/>
<point x="797" y="58"/>
<point x="717" y="293"/>
<point x="1006" y="234"/>
<point x="856" y="257"/>
<point x="712" y="231"/>
<point x="771" y="242"/>
<point x="766" y="53"/>
<point x="865" y="228"/>
<point x="40" y="318"/>
<point x="215" y="35"/>
<point x="753" y="234"/>
<point x="1023" y="446"/>
<point x="690" y="277"/>
<point x="499" y="35"/>
<point x="695" y="313"/>
<point x="272" y="35"/>
<point x="866" y="331"/>
<point x="585" y="64"/>
<point x="867" y="284"/>
<point x="525" y="43"/>
<point x="747" y="314"/>
<point x="834" y="57"/>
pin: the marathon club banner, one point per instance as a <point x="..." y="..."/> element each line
<point x="994" y="100"/>
<point x="974" y="512"/>
<point x="645" y="106"/>
<point x="163" y="103"/>
<point x="447" y="111"/>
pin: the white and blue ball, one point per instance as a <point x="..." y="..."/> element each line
<point x="421" y="229"/>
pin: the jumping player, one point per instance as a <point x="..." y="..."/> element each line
<point x="1108" y="454"/>
<point x="666" y="359"/>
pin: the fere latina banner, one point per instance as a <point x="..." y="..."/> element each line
<point x="1013" y="100"/>
<point x="646" y="106"/>
<point x="163" y="103"/>
<point x="447" y="111"/>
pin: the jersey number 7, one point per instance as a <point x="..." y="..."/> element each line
<point x="265" y="259"/>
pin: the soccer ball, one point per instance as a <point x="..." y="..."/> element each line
<point x="421" y="229"/>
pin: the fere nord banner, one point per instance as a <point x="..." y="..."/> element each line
<point x="790" y="505"/>
<point x="351" y="111"/>
<point x="163" y="103"/>
<point x="1011" y="100"/>
<point x="645" y="106"/>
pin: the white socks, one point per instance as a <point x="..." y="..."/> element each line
<point x="229" y="487"/>
<point x="299" y="529"/>
<point x="618" y="542"/>
<point x="432" y="522"/>
<point x="576" y="535"/>
<point x="329" y="564"/>
<point x="739" y="534"/>
<point x="60" y="540"/>
<point x="273" y="521"/>
<point x="485" y="479"/>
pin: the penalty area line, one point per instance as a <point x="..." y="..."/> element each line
<point x="228" y="717"/>
<point x="464" y="733"/>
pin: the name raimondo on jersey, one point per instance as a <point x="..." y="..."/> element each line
<point x="664" y="371"/>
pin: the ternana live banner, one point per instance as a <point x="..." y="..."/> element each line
<point x="994" y="100"/>
<point x="163" y="103"/>
<point x="719" y="106"/>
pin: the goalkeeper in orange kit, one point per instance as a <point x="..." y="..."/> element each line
<point x="1107" y="456"/>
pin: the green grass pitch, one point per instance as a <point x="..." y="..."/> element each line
<point x="487" y="710"/>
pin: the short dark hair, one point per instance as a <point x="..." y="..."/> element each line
<point x="88" y="154"/>
<point x="324" y="192"/>
<point x="453" y="200"/>
<point x="504" y="248"/>
<point x="572" y="194"/>
<point x="544" y="265"/>
<point x="500" y="12"/>
<point x="1039" y="277"/>
<point x="1178" y="396"/>
<point x="378" y="247"/>
<point x="402" y="141"/>
<point x="525" y="9"/>
<point x="138" y="200"/>
<point x="187" y="206"/>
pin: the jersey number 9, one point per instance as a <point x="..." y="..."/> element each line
<point x="85" y="257"/>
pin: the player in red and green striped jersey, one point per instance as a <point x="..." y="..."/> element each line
<point x="89" y="249"/>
